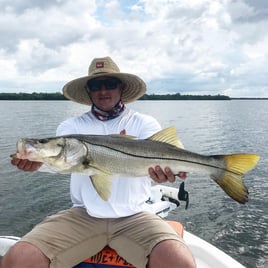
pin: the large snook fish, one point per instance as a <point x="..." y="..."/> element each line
<point x="102" y="156"/>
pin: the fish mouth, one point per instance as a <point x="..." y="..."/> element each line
<point x="25" y="150"/>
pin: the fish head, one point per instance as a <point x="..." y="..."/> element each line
<point x="39" y="149"/>
<point x="60" y="154"/>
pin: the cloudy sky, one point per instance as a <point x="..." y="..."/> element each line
<point x="191" y="47"/>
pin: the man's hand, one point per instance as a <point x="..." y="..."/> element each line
<point x="159" y="175"/>
<point x="25" y="165"/>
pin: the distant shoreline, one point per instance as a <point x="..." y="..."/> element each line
<point x="59" y="96"/>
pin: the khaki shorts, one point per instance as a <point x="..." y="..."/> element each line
<point x="70" y="236"/>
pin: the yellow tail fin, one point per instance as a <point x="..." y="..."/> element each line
<point x="231" y="181"/>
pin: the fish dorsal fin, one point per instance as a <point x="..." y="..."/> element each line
<point x="167" y="135"/>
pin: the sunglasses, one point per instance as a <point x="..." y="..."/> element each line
<point x="109" y="83"/>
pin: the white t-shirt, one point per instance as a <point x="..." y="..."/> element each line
<point x="128" y="195"/>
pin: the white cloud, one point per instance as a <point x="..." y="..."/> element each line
<point x="195" y="46"/>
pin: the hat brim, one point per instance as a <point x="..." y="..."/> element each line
<point x="133" y="88"/>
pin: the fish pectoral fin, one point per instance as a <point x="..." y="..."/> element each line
<point x="167" y="135"/>
<point x="231" y="179"/>
<point x="102" y="184"/>
<point x="101" y="170"/>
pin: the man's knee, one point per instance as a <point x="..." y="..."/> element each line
<point x="24" y="254"/>
<point x="171" y="253"/>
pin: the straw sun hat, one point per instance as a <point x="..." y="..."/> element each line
<point x="133" y="86"/>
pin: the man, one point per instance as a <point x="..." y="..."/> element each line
<point x="123" y="222"/>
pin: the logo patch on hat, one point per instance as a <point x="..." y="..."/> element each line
<point x="99" y="64"/>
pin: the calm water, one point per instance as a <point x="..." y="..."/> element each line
<point x="206" y="127"/>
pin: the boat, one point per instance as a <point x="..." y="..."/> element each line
<point x="163" y="200"/>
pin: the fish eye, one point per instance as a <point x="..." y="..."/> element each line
<point x="43" y="141"/>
